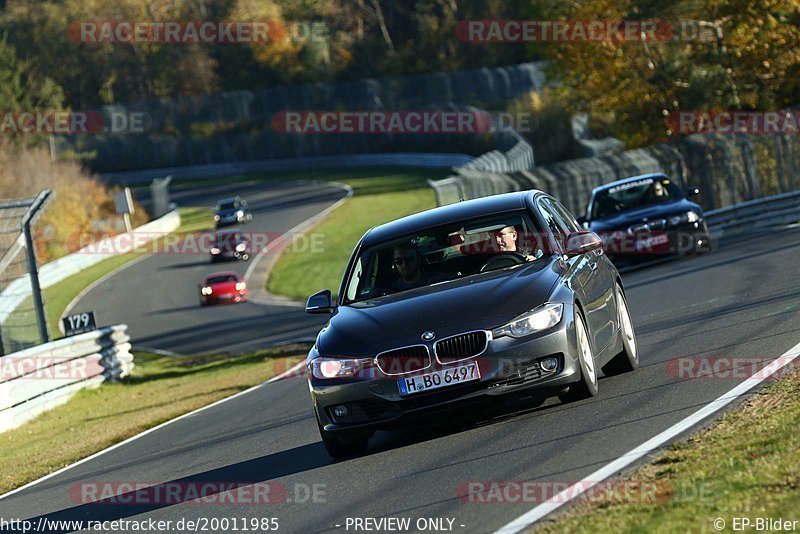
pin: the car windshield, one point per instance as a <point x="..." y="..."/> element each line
<point x="211" y="280"/>
<point x="632" y="195"/>
<point x="229" y="239"/>
<point x="227" y="206"/>
<point x="444" y="253"/>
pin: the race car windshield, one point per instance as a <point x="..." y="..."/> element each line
<point x="444" y="253"/>
<point x="633" y="195"/>
<point x="220" y="279"/>
<point x="227" y="206"/>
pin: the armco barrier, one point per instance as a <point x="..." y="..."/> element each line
<point x="42" y="377"/>
<point x="349" y="161"/>
<point x="728" y="169"/>
<point x="755" y="215"/>
<point x="62" y="268"/>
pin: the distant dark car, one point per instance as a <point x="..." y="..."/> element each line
<point x="231" y="211"/>
<point x="222" y="287"/>
<point x="462" y="304"/>
<point x="230" y="245"/>
<point x="646" y="216"/>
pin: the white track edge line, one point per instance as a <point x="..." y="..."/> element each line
<point x="286" y="373"/>
<point x="649" y="446"/>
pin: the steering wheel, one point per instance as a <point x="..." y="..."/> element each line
<point x="502" y="261"/>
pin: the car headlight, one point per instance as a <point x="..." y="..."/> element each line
<point x="216" y="217"/>
<point x="688" y="217"/>
<point x="545" y="316"/>
<point x="240" y="214"/>
<point x="240" y="286"/>
<point x="336" y="367"/>
<point x="240" y="247"/>
<point x="215" y="250"/>
<point x="206" y="291"/>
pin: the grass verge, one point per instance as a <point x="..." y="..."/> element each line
<point x="379" y="195"/>
<point x="745" y="465"/>
<point x="160" y="388"/>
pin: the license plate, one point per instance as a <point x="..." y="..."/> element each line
<point x="439" y="379"/>
<point x="226" y="296"/>
<point x="653" y="241"/>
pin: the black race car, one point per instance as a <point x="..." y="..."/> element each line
<point x="231" y="211"/>
<point x="230" y="245"/>
<point x="647" y="216"/>
<point x="462" y="305"/>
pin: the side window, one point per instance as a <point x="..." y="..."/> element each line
<point x="553" y="222"/>
<point x="566" y="217"/>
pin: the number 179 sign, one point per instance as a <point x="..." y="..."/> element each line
<point x="78" y="323"/>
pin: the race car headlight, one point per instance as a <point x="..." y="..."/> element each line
<point x="688" y="217"/>
<point x="240" y="247"/>
<point x="240" y="214"/>
<point x="216" y="217"/>
<point x="542" y="318"/>
<point x="336" y="367"/>
<point x="206" y="291"/>
<point x="240" y="286"/>
<point x="215" y="250"/>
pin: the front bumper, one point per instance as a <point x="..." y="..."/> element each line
<point x="507" y="367"/>
<point x="224" y="298"/>
<point x="687" y="238"/>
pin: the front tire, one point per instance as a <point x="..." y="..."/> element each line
<point x="587" y="385"/>
<point x="628" y="359"/>
<point x="342" y="446"/>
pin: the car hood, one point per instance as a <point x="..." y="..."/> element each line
<point x="223" y="287"/>
<point x="476" y="302"/>
<point x="643" y="214"/>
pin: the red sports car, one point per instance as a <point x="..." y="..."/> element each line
<point x="222" y="287"/>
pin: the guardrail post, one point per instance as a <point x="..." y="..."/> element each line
<point x="33" y="271"/>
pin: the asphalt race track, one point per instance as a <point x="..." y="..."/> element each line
<point x="157" y="297"/>
<point x="741" y="300"/>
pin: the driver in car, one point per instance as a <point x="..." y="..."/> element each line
<point x="506" y="240"/>
<point x="407" y="260"/>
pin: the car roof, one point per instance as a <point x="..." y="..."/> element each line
<point x="630" y="179"/>
<point x="223" y="273"/>
<point x="231" y="199"/>
<point x="448" y="214"/>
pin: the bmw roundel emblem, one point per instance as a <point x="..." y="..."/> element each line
<point x="428" y="336"/>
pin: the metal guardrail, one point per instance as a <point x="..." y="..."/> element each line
<point x="347" y="161"/>
<point x="754" y="215"/>
<point x="42" y="377"/>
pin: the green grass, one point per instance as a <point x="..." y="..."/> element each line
<point x="160" y="388"/>
<point x="745" y="465"/>
<point x="379" y="195"/>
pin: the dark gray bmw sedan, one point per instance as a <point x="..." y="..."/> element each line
<point x="462" y="304"/>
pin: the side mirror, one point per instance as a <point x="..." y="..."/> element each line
<point x="583" y="242"/>
<point x="320" y="302"/>
<point x="692" y="192"/>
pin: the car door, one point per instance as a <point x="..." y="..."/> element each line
<point x="592" y="280"/>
